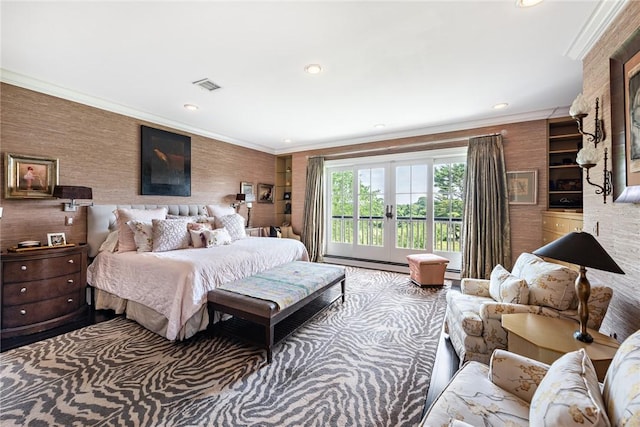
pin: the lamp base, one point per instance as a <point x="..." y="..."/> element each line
<point x="586" y="337"/>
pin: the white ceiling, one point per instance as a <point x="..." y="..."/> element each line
<point x="418" y="67"/>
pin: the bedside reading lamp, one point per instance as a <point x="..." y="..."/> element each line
<point x="584" y="250"/>
<point x="240" y="198"/>
<point x="73" y="193"/>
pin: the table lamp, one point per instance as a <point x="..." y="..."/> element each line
<point x="582" y="249"/>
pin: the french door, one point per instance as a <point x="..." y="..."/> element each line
<point x="387" y="210"/>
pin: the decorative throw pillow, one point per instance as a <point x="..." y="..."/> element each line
<point x="217" y="237"/>
<point x="111" y="242"/>
<point x="124" y="215"/>
<point x="195" y="231"/>
<point x="551" y="285"/>
<point x="569" y="395"/>
<point x="234" y="225"/>
<point x="505" y="287"/>
<point x="170" y="234"/>
<point x="219" y="211"/>
<point x="142" y="235"/>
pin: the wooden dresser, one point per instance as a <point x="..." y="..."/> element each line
<point x="42" y="289"/>
<point x="557" y="224"/>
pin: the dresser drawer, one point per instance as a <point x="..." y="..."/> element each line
<point x="27" y="314"/>
<point x="26" y="292"/>
<point x="35" y="269"/>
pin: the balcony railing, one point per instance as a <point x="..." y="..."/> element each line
<point x="411" y="233"/>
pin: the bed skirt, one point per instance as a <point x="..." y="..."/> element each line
<point x="148" y="317"/>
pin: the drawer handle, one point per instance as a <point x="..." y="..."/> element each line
<point x="70" y="261"/>
<point x="23" y="312"/>
<point x="70" y="281"/>
<point x="23" y="267"/>
<point x="70" y="300"/>
<point x="23" y="290"/>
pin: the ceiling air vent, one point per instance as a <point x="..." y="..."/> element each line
<point x="207" y="84"/>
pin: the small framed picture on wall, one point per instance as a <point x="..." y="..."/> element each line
<point x="523" y="187"/>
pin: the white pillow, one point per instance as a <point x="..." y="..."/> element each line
<point x="170" y="234"/>
<point x="111" y="242"/>
<point x="505" y="287"/>
<point x="217" y="237"/>
<point x="234" y="225"/>
<point x="219" y="211"/>
<point x="569" y="395"/>
<point x="124" y="215"/>
<point x="142" y="235"/>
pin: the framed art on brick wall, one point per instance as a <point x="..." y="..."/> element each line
<point x="624" y="68"/>
<point x="165" y="163"/>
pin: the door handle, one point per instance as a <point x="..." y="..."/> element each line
<point x="389" y="212"/>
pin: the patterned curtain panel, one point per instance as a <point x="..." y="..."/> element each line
<point x="312" y="221"/>
<point x="486" y="231"/>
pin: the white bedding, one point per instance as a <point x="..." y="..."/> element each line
<point x="175" y="283"/>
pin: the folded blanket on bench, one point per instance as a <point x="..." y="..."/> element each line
<point x="286" y="284"/>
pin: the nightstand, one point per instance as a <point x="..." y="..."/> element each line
<point x="547" y="338"/>
<point x="42" y="289"/>
<point x="253" y="231"/>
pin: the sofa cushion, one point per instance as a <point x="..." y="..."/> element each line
<point x="474" y="399"/>
<point x="465" y="311"/>
<point x="621" y="390"/>
<point x="551" y="285"/>
<point x="505" y="287"/>
<point x="569" y="395"/>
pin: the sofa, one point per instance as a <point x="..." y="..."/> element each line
<point x="473" y="319"/>
<point x="517" y="391"/>
<point x="284" y="231"/>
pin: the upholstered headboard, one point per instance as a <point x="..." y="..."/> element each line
<point x="101" y="220"/>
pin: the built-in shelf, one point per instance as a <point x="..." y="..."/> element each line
<point x="565" y="176"/>
<point x="284" y="181"/>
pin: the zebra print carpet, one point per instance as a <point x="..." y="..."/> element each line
<point x="365" y="363"/>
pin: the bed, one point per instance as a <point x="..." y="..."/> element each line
<point x="166" y="292"/>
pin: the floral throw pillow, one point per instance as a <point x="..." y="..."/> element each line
<point x="195" y="231"/>
<point x="234" y="225"/>
<point x="217" y="237"/>
<point x="505" y="287"/>
<point x="142" y="235"/>
<point x="569" y="395"/>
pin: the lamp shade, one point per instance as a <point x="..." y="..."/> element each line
<point x="582" y="249"/>
<point x="72" y="192"/>
<point x="240" y="197"/>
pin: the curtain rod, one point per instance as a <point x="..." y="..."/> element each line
<point x="417" y="144"/>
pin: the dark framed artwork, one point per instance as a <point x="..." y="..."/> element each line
<point x="265" y="193"/>
<point x="30" y="177"/>
<point x="165" y="163"/>
<point x="624" y="68"/>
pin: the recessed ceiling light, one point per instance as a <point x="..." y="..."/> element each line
<point x="380" y="126"/>
<point x="500" y="106"/>
<point x="527" y="3"/>
<point x="313" y="68"/>
<point x="191" y="107"/>
<point x="287" y="140"/>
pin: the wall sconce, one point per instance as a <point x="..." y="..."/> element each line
<point x="240" y="198"/>
<point x="588" y="156"/>
<point x="73" y="193"/>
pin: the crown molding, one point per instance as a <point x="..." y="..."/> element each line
<point x="432" y="130"/>
<point x="598" y="22"/>
<point x="36" y="85"/>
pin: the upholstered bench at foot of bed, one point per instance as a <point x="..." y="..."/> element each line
<point x="268" y="313"/>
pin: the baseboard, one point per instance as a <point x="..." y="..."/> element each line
<point x="381" y="265"/>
